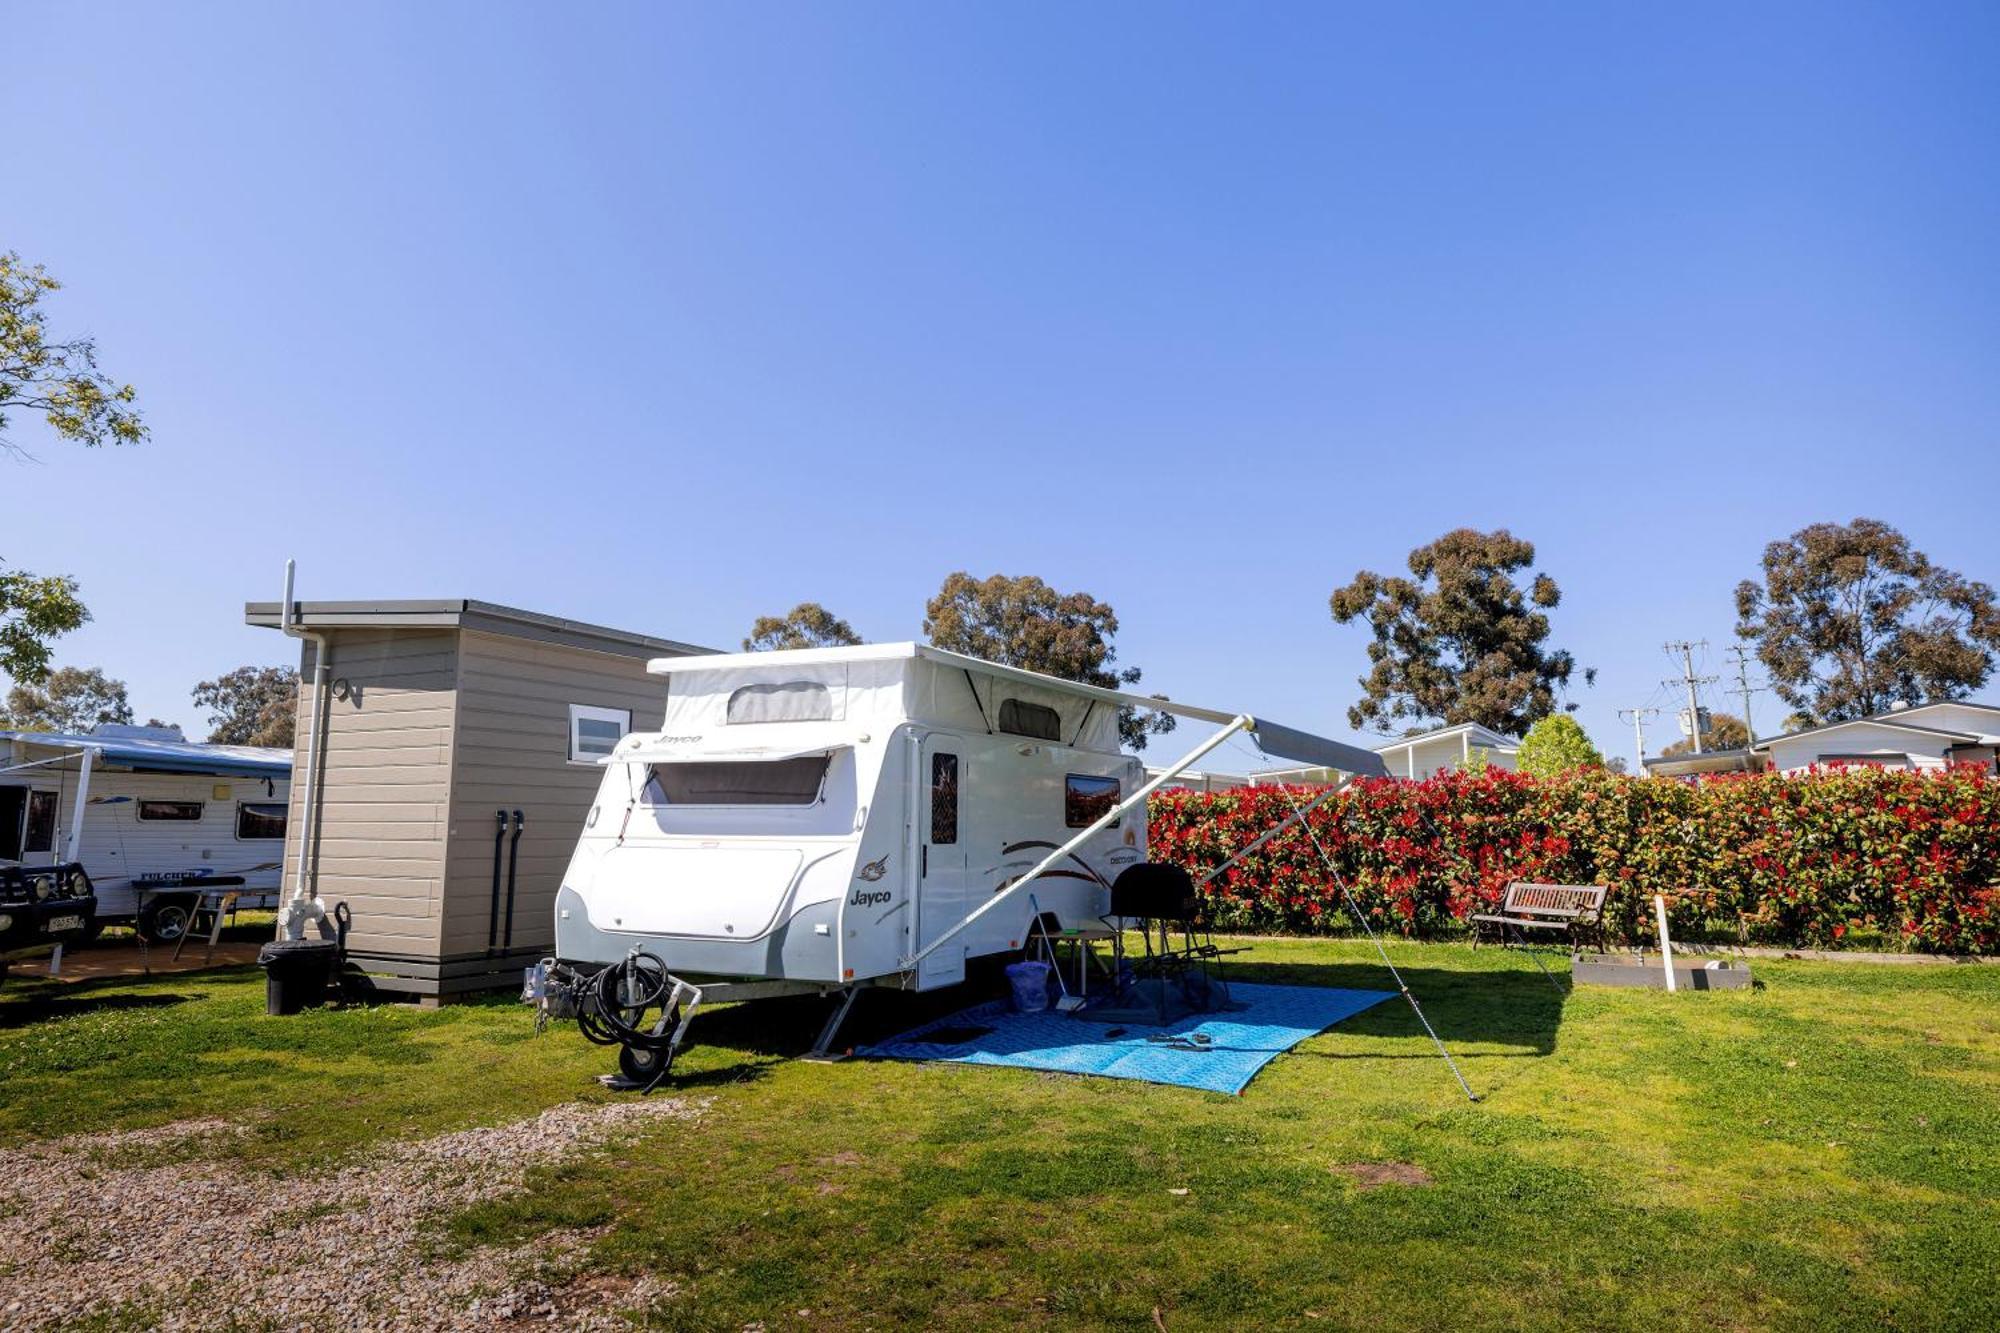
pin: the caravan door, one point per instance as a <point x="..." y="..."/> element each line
<point x="944" y="891"/>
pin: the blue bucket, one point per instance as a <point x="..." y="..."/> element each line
<point x="1030" y="982"/>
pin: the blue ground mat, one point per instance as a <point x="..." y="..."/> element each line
<point x="1240" y="1042"/>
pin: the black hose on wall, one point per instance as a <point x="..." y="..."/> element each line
<point x="493" y="913"/>
<point x="513" y="863"/>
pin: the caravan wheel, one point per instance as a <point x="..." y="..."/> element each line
<point x="640" y="1065"/>
<point x="166" y="919"/>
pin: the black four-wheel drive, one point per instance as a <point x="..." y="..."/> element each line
<point x="41" y="907"/>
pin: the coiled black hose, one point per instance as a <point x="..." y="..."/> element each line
<point x="611" y="1006"/>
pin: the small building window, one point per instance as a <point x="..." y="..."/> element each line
<point x="595" y="732"/>
<point x="754" y="782"/>
<point x="182" y="811"/>
<point x="944" y="798"/>
<point x="784" y="701"/>
<point x="1086" y="799"/>
<point x="256" y="820"/>
<point x="1038" y="721"/>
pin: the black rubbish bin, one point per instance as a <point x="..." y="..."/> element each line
<point x="296" y="973"/>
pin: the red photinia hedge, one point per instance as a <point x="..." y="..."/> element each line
<point x="1795" y="860"/>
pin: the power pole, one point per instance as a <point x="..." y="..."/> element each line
<point x="1742" y="656"/>
<point x="1692" y="682"/>
<point x="1638" y="718"/>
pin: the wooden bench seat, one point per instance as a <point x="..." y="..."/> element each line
<point x="1577" y="910"/>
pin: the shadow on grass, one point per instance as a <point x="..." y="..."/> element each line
<point x="19" y="1013"/>
<point x="1504" y="1008"/>
<point x="1499" y="1008"/>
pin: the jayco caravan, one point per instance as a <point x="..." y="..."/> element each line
<point x="832" y="817"/>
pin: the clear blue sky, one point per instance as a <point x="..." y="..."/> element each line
<point x="668" y="317"/>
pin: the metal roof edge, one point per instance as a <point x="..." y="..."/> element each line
<point x="470" y="614"/>
<point x="1881" y="720"/>
<point x="1396" y="743"/>
<point x="709" y="660"/>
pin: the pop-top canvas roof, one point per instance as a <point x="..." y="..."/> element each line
<point x="882" y="684"/>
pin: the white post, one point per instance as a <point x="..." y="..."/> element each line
<point x="76" y="811"/>
<point x="55" y="962"/>
<point x="1103" y="821"/>
<point x="1666" y="945"/>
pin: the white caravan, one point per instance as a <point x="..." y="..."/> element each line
<point x="154" y="818"/>
<point x="833" y="817"/>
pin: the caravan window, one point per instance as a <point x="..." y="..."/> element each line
<point x="757" y="782"/>
<point x="256" y="820"/>
<point x="595" y="732"/>
<point x="1034" y="720"/>
<point x="186" y="811"/>
<point x="1086" y="798"/>
<point x="944" y="798"/>
<point x="787" y="701"/>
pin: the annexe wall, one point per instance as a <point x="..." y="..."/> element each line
<point x="442" y="715"/>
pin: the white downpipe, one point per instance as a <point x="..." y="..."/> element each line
<point x="1103" y="822"/>
<point x="1666" y="945"/>
<point x="76" y="810"/>
<point x="303" y="905"/>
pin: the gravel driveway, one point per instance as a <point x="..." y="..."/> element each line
<point x="105" y="1223"/>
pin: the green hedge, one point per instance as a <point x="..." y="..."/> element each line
<point x="1811" y="860"/>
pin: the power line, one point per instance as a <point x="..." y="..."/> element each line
<point x="1693" y="682"/>
<point x="1638" y="718"/>
<point x="1744" y="688"/>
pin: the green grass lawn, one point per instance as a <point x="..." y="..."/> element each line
<point x="1822" y="1151"/>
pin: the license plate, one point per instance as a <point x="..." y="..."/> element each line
<point x="58" y="924"/>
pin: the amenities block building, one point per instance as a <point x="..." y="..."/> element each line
<point x="462" y="743"/>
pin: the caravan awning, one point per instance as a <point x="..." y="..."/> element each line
<point x="147" y="755"/>
<point x="1279" y="741"/>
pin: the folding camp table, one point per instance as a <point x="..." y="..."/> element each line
<point x="1049" y="947"/>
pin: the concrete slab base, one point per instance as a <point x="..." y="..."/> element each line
<point x="1625" y="969"/>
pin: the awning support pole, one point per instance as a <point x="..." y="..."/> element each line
<point x="76" y="811"/>
<point x="1102" y="822"/>
<point x="1355" y="911"/>
<point x="1276" y="829"/>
